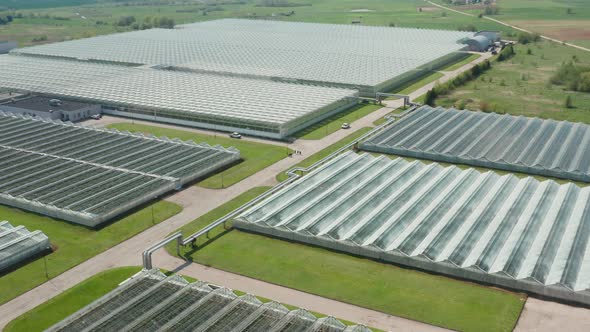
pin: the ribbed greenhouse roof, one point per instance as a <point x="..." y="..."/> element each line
<point x="513" y="143"/>
<point x="206" y="97"/>
<point x="88" y="175"/>
<point x="331" y="53"/>
<point x="514" y="232"/>
<point x="150" y="301"/>
<point x="18" y="244"/>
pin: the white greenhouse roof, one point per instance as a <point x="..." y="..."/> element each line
<point x="513" y="232"/>
<point x="205" y="97"/>
<point x="17" y="244"/>
<point x="328" y="53"/>
<point x="88" y="175"/>
<point x="513" y="143"/>
<point x="150" y="301"/>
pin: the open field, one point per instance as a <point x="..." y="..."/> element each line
<point x="402" y="292"/>
<point x="325" y="152"/>
<point x="256" y="156"/>
<point x="564" y="20"/>
<point x="65" y="23"/>
<point x="73" y="244"/>
<point x="334" y="123"/>
<point x="520" y="85"/>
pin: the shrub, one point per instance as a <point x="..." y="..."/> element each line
<point x="529" y="51"/>
<point x="484" y="106"/>
<point x="568" y="102"/>
<point x="506" y="53"/>
<point x="526" y="38"/>
<point x="125" y="21"/>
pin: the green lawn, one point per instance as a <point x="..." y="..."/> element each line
<point x="84" y="293"/>
<point x="73" y="244"/>
<point x="457" y="65"/>
<point x="334" y="123"/>
<point x="326" y="151"/>
<point x="70" y="301"/>
<point x="402" y="292"/>
<point x="520" y="85"/>
<point x="98" y="19"/>
<point x="256" y="156"/>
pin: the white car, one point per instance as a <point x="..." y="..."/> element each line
<point x="345" y="126"/>
<point x="235" y="135"/>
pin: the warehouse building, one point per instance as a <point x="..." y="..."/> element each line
<point x="518" y="233"/>
<point x="50" y="108"/>
<point x="88" y="175"/>
<point x="18" y="244"/>
<point x="512" y="143"/>
<point x="150" y="301"/>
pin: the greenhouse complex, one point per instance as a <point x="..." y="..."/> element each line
<point x="511" y="143"/>
<point x="87" y="175"/>
<point x="514" y="232"/>
<point x="254" y="107"/>
<point x="367" y="58"/>
<point x="150" y="301"/>
<point x="18" y="244"/>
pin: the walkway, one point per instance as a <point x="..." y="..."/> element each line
<point x="510" y="26"/>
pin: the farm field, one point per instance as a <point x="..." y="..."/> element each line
<point x="73" y="244"/>
<point x="564" y="20"/>
<point x="256" y="156"/>
<point x="520" y="85"/>
<point x="402" y="292"/>
<point x="64" y="23"/>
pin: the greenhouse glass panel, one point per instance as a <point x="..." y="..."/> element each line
<point x="519" y="233"/>
<point x="150" y="301"/>
<point x="512" y="143"/>
<point x="17" y="244"/>
<point x="91" y="175"/>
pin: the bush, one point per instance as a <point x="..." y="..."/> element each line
<point x="568" y="102"/>
<point x="506" y="53"/>
<point x="125" y="21"/>
<point x="526" y="38"/>
<point x="467" y="27"/>
<point x="484" y="106"/>
<point x="491" y="10"/>
<point x="529" y="51"/>
<point x="574" y="77"/>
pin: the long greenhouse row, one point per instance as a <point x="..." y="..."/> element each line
<point x="88" y="175"/>
<point x="18" y="244"/>
<point x="150" y="301"/>
<point x="344" y="55"/>
<point x="514" y="232"/>
<point x="513" y="143"/>
<point x="255" y="107"/>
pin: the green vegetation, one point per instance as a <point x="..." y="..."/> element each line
<point x="84" y="293"/>
<point x="383" y="287"/>
<point x="412" y="86"/>
<point x="459" y="80"/>
<point x="70" y="301"/>
<point x="73" y="244"/>
<point x="522" y="85"/>
<point x="573" y="76"/>
<point x="256" y="156"/>
<point x="506" y="53"/>
<point x="326" y="151"/>
<point x="90" y="19"/>
<point x="334" y="123"/>
<point x="457" y="65"/>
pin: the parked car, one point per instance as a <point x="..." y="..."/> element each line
<point x="345" y="126"/>
<point x="235" y="135"/>
<point x="96" y="116"/>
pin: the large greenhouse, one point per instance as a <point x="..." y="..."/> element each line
<point x="254" y="107"/>
<point x="366" y="58"/>
<point x="518" y="233"/>
<point x="512" y="143"/>
<point x="150" y="301"/>
<point x="88" y="175"/>
<point x="18" y="244"/>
